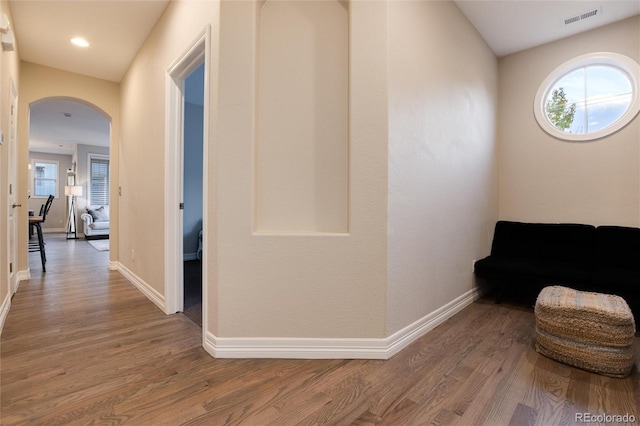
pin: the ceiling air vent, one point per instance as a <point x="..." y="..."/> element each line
<point x="582" y="16"/>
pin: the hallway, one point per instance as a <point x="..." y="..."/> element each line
<point x="80" y="338"/>
<point x="81" y="345"/>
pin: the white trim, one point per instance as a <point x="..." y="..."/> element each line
<point x="91" y="156"/>
<point x="173" y="244"/>
<point x="113" y="265"/>
<point x="32" y="176"/>
<point x="339" y="348"/>
<point x="151" y="293"/>
<point x="12" y="233"/>
<point x="206" y="114"/>
<point x="4" y="311"/>
<point x="24" y="276"/>
<point x="403" y="338"/>
<point x="298" y="348"/>
<point x="197" y="53"/>
<point x="615" y="60"/>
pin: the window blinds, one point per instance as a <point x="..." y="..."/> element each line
<point x="99" y="176"/>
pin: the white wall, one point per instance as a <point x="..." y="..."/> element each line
<point x="543" y="179"/>
<point x="442" y="157"/>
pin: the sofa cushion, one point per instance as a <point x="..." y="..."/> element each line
<point x="99" y="214"/>
<point x="554" y="242"/>
<point x="618" y="247"/>
<point x="542" y="271"/>
<point x="99" y="225"/>
<point x="513" y="240"/>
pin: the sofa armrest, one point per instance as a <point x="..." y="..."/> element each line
<point x="87" y="218"/>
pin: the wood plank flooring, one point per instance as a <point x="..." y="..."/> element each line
<point x="82" y="346"/>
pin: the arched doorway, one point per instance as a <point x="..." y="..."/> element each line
<point x="69" y="153"/>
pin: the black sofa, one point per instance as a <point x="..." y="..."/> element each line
<point x="525" y="257"/>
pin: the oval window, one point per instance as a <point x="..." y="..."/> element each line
<point x="589" y="97"/>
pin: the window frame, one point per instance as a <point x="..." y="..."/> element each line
<point x="90" y="157"/>
<point x="611" y="59"/>
<point x="35" y="161"/>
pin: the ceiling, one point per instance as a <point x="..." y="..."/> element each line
<point x="509" y="26"/>
<point x="116" y="30"/>
<point x="57" y="125"/>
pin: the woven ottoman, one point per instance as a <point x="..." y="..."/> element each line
<point x="587" y="330"/>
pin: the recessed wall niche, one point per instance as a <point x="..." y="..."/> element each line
<point x="301" y="179"/>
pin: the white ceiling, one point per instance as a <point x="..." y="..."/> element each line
<point x="510" y="26"/>
<point x="117" y="28"/>
<point x="57" y="125"/>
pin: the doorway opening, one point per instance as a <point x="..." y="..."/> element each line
<point x="186" y="166"/>
<point x="69" y="159"/>
<point x="192" y="183"/>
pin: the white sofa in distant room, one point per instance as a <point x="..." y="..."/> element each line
<point x="96" y="221"/>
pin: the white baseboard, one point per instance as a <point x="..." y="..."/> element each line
<point x="313" y="348"/>
<point x="403" y="338"/>
<point x="151" y="293"/>
<point x="6" y="303"/>
<point x="300" y="348"/>
<point x="113" y="265"/>
<point x="303" y="348"/>
<point x="24" y="275"/>
<point x="4" y="311"/>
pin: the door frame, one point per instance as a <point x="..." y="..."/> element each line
<point x="195" y="55"/>
<point x="12" y="241"/>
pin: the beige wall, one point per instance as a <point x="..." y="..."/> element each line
<point x="39" y="82"/>
<point x="301" y="285"/>
<point x="442" y="157"/>
<point x="142" y="161"/>
<point x="427" y="100"/>
<point x="544" y="179"/>
<point x="438" y="203"/>
<point x="302" y="150"/>
<point x="10" y="68"/>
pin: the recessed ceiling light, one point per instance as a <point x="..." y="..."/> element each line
<point x="79" y="41"/>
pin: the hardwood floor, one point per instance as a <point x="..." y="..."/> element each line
<point x="82" y="346"/>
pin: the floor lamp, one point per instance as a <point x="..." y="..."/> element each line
<point x="72" y="228"/>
